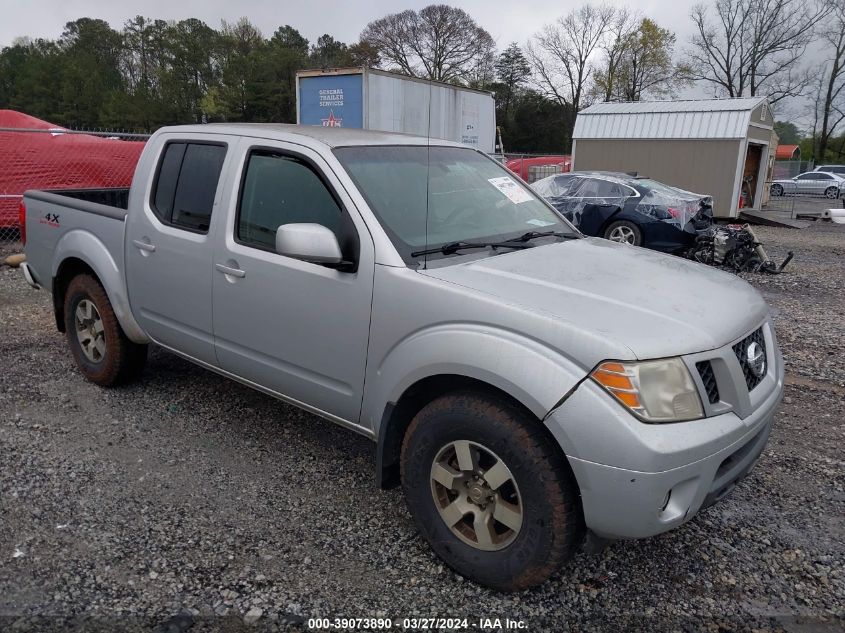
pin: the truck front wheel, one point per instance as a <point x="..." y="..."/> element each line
<point x="489" y="491"/>
<point x="100" y="348"/>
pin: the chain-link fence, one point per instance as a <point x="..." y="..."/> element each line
<point x="534" y="167"/>
<point x="56" y="158"/>
<point x="784" y="169"/>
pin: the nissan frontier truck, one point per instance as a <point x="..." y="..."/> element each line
<point x="524" y="384"/>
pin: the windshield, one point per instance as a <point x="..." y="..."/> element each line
<point x="431" y="196"/>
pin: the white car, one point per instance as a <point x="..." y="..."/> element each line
<point x="814" y="183"/>
<point x="832" y="169"/>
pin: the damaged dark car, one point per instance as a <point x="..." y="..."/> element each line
<point x="626" y="208"/>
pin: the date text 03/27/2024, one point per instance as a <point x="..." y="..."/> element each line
<point x="417" y="624"/>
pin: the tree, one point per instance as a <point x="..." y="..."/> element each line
<point x="753" y="47"/>
<point x="646" y="67"/>
<point x="535" y="125"/>
<point x="240" y="95"/>
<point x="833" y="101"/>
<point x="364" y="54"/>
<point x="329" y="53"/>
<point x="192" y="68"/>
<point x="89" y="70"/>
<point x="561" y="55"/>
<point x="29" y="73"/>
<point x="788" y="133"/>
<point x="287" y="52"/>
<point x="618" y="38"/>
<point x="438" y="42"/>
<point x="512" y="71"/>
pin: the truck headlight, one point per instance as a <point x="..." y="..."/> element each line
<point x="653" y="390"/>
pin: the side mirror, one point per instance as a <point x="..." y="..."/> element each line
<point x="309" y="242"/>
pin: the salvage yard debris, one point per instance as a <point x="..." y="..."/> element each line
<point x="735" y="247"/>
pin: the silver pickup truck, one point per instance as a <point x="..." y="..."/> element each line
<point x="523" y="383"/>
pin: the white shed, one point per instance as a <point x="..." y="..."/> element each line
<point x="713" y="146"/>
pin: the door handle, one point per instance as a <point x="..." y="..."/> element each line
<point x="144" y="246"/>
<point x="234" y="272"/>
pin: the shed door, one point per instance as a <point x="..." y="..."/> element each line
<point x="751" y="175"/>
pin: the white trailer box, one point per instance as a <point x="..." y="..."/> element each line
<point x="377" y="100"/>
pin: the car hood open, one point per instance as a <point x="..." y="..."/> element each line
<point x="656" y="305"/>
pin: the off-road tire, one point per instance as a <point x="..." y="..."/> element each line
<point x="629" y="227"/>
<point x="123" y="360"/>
<point x="552" y="517"/>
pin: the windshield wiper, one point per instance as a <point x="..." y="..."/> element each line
<point x="454" y="247"/>
<point x="525" y="237"/>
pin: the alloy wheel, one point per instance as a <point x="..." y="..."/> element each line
<point x="622" y="234"/>
<point x="89" y="331"/>
<point x="476" y="495"/>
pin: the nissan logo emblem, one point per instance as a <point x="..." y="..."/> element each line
<point x="755" y="358"/>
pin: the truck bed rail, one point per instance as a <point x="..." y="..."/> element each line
<point x="109" y="203"/>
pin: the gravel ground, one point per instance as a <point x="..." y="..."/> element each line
<point x="189" y="502"/>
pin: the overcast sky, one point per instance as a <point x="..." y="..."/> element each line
<point x="506" y="20"/>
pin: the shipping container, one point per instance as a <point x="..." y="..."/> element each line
<point x="376" y="100"/>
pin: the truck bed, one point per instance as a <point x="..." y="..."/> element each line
<point x="70" y="222"/>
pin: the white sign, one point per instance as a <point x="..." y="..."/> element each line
<point x="510" y="189"/>
<point x="330" y="97"/>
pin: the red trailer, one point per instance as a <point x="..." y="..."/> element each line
<point x="36" y="154"/>
<point x="533" y="168"/>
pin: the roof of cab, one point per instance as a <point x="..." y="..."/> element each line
<point x="330" y="136"/>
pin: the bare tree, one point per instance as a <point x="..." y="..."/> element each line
<point x="754" y="47"/>
<point x="438" y="42"/>
<point x="832" y="79"/>
<point x="562" y="55"/>
<point x="616" y="43"/>
<point x="389" y="36"/>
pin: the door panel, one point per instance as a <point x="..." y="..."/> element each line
<point x="169" y="249"/>
<point x="297" y="328"/>
<point x="805" y="184"/>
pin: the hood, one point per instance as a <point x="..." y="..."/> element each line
<point x="655" y="305"/>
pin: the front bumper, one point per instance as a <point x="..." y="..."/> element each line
<point x="661" y="474"/>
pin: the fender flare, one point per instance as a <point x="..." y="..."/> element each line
<point x="532" y="373"/>
<point x="84" y="246"/>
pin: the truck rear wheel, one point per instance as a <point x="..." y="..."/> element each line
<point x="100" y="348"/>
<point x="489" y="491"/>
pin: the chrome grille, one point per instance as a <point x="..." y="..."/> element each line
<point x="708" y="378"/>
<point x="751" y="380"/>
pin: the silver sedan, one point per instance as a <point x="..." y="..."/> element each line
<point x="814" y="183"/>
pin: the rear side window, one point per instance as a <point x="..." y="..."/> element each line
<point x="280" y="189"/>
<point x="184" y="192"/>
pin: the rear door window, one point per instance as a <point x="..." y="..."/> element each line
<point x="183" y="195"/>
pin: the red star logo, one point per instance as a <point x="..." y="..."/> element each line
<point x="332" y="121"/>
